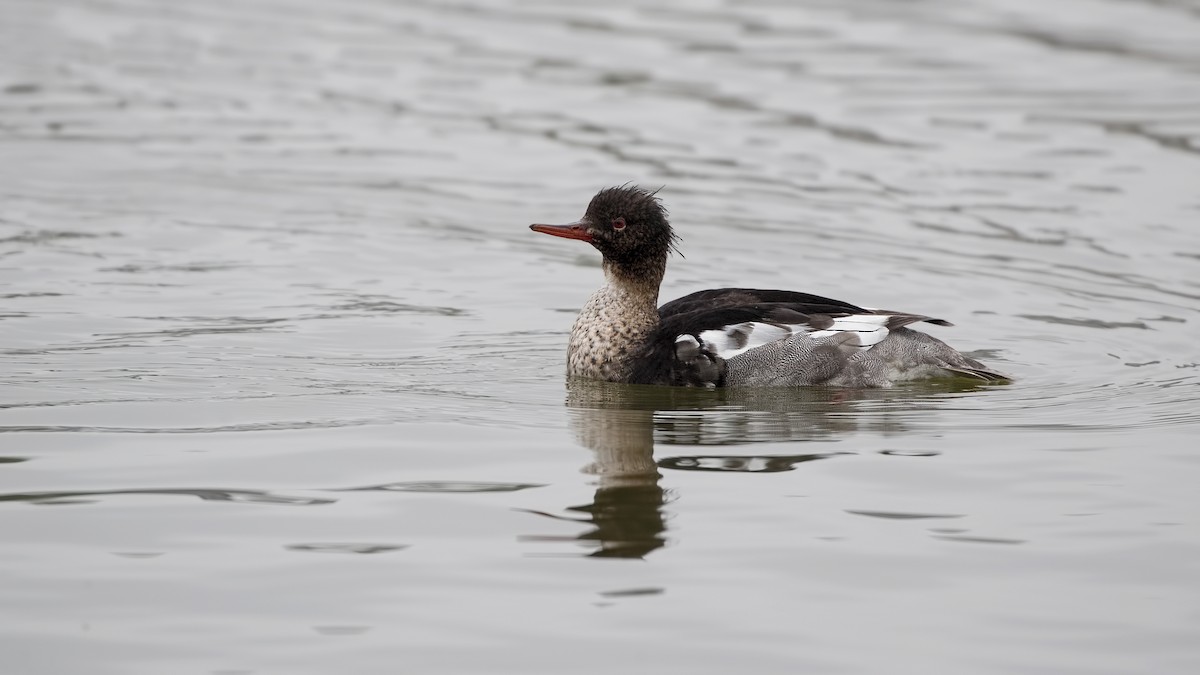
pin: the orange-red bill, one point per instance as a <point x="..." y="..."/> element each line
<point x="569" y="231"/>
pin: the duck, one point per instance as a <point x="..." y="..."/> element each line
<point x="730" y="337"/>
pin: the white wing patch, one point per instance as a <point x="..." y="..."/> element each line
<point x="735" y="339"/>
<point x="870" y="328"/>
<point x="741" y="337"/>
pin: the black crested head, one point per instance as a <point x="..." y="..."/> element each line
<point x="628" y="225"/>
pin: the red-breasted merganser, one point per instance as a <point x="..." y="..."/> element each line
<point x="729" y="336"/>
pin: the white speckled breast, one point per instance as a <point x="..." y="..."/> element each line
<point x="608" y="332"/>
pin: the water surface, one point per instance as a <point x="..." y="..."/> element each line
<point x="281" y="366"/>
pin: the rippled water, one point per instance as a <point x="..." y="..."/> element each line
<point x="281" y="367"/>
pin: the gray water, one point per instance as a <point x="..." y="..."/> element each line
<point x="281" y="365"/>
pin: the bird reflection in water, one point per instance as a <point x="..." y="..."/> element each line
<point x="626" y="513"/>
<point x="620" y="424"/>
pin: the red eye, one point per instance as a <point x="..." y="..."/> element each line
<point x="618" y="224"/>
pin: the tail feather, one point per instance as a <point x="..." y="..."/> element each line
<point x="982" y="373"/>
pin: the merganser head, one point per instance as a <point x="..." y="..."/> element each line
<point x="628" y="225"/>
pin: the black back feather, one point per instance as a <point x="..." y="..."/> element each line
<point x="805" y="303"/>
